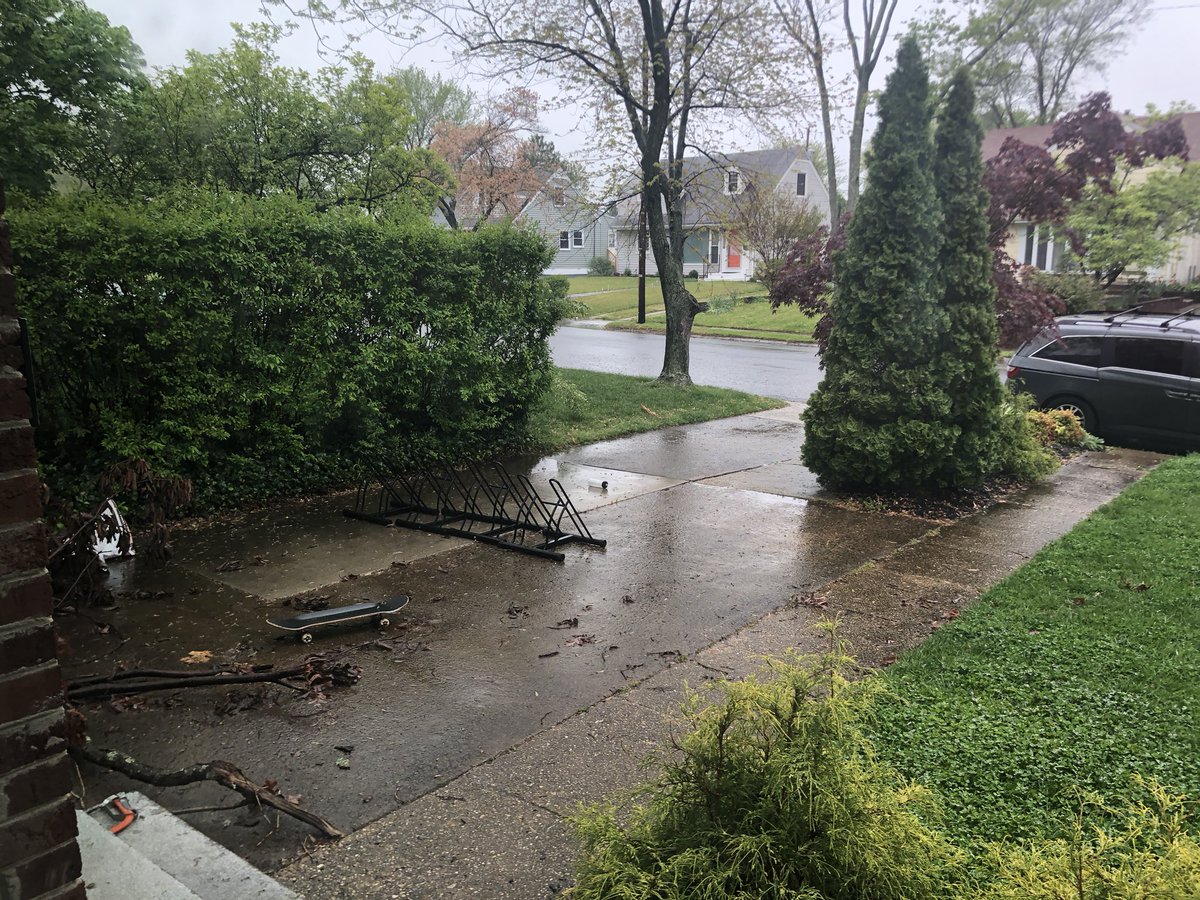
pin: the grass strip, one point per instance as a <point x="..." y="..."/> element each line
<point x="750" y="318"/>
<point x="615" y="297"/>
<point x="593" y="406"/>
<point x="1078" y="670"/>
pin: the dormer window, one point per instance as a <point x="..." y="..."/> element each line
<point x="558" y="196"/>
<point x="733" y="181"/>
<point x="801" y="184"/>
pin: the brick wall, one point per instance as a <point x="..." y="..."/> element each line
<point x="38" y="853"/>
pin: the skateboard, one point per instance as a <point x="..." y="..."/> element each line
<point x="305" y="622"/>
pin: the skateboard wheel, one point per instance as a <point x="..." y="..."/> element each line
<point x="384" y="622"/>
<point x="306" y="638"/>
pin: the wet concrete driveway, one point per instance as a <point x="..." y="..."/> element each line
<point x="709" y="527"/>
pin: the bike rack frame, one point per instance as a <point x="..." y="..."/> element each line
<point x="483" y="502"/>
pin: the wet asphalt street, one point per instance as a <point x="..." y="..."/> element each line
<point x="786" y="371"/>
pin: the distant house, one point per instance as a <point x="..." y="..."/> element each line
<point x="576" y="227"/>
<point x="713" y="187"/>
<point x="1038" y="245"/>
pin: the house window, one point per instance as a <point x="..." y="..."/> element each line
<point x="612" y="238"/>
<point x="1041" y="251"/>
<point x="564" y="240"/>
<point x="714" y="247"/>
<point x="576" y="239"/>
<point x="559" y="196"/>
<point x="801" y="184"/>
<point x="733" y="181"/>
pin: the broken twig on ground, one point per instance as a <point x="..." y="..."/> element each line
<point x="223" y="773"/>
<point x="315" y="673"/>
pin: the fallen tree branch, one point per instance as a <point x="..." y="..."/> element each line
<point x="223" y="773"/>
<point x="315" y="673"/>
<point x="122" y="674"/>
<point x="112" y="689"/>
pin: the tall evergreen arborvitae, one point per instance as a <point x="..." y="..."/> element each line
<point x="968" y="358"/>
<point x="881" y="419"/>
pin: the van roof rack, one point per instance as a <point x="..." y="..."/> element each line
<point x="1186" y="314"/>
<point x="1112" y="320"/>
<point x="1132" y="315"/>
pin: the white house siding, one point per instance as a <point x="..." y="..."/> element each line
<point x="626" y="252"/>
<point x="815" y="194"/>
<point x="571" y="217"/>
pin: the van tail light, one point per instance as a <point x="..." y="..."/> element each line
<point x="1013" y="371"/>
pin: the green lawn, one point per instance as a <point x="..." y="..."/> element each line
<point x="619" y="297"/>
<point x="1078" y="670"/>
<point x="753" y="319"/>
<point x="594" y="406"/>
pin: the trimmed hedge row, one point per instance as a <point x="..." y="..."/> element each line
<point x="260" y="349"/>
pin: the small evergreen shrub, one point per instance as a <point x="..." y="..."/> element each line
<point x="775" y="793"/>
<point x="1056" y="426"/>
<point x="693" y="274"/>
<point x="600" y="265"/>
<point x="1140" y="852"/>
<point x="1023" y="453"/>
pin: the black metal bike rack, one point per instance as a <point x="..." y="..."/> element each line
<point x="483" y="502"/>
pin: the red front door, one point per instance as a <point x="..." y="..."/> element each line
<point x="734" y="254"/>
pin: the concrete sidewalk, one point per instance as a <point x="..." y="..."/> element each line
<point x="499" y="830"/>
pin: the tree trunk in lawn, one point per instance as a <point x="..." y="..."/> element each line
<point x="666" y="240"/>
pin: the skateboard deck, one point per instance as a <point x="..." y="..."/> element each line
<point x="304" y="623"/>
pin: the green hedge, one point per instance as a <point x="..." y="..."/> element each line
<point x="261" y="349"/>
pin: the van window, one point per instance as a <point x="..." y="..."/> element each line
<point x="1083" y="350"/>
<point x="1149" y="355"/>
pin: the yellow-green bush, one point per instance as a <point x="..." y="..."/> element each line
<point x="774" y="792"/>
<point x="1141" y="852"/>
<point x="1024" y="455"/>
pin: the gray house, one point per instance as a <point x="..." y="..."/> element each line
<point x="713" y="186"/>
<point x="578" y="228"/>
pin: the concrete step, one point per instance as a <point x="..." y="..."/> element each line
<point x="159" y="842"/>
<point x="112" y="870"/>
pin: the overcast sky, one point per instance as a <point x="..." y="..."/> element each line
<point x="1161" y="63"/>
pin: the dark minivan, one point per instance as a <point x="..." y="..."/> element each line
<point x="1130" y="377"/>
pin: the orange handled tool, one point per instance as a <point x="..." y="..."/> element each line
<point x="123" y="814"/>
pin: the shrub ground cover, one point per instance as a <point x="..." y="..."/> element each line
<point x="582" y="407"/>
<point x="1079" y="670"/>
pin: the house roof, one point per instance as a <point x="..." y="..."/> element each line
<point x="704" y="180"/>
<point x="706" y="202"/>
<point x="1039" y="134"/>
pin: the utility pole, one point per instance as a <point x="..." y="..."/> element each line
<point x="642" y="260"/>
<point x="642" y="217"/>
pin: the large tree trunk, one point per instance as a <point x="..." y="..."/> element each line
<point x="681" y="307"/>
